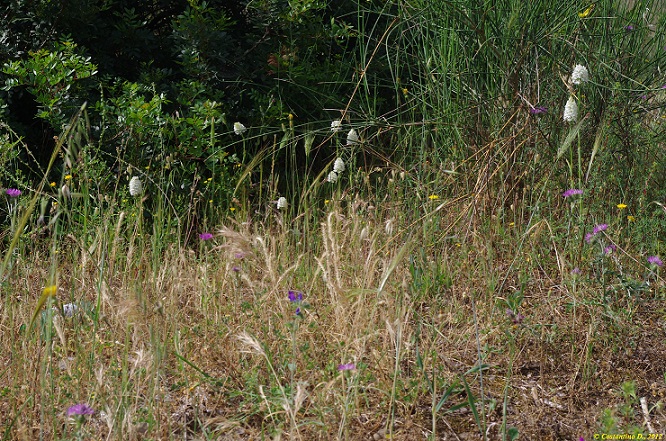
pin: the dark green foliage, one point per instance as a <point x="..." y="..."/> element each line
<point x="423" y="82"/>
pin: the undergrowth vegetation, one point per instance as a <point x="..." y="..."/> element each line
<point x="335" y="220"/>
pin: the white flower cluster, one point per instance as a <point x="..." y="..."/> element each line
<point x="239" y="128"/>
<point x="281" y="203"/>
<point x="579" y="76"/>
<point x="352" y="137"/>
<point x="338" y="168"/>
<point x="571" y="110"/>
<point x="135" y="186"/>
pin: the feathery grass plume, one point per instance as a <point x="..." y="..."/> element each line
<point x="239" y="128"/>
<point x="135" y="186"/>
<point x="571" y="110"/>
<point x="48" y="292"/>
<point x="251" y="343"/>
<point x="332" y="177"/>
<point x="580" y="75"/>
<point x="336" y="126"/>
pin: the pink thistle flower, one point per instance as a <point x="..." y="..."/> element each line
<point x="599" y="228"/>
<point x="205" y="236"/>
<point x="346" y="367"/>
<point x="571" y="192"/>
<point x="80" y="409"/>
<point x="655" y="260"/>
<point x="13" y="192"/>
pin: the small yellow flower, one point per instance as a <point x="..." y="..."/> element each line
<point x="232" y="208"/>
<point x="631" y="218"/>
<point x="52" y="184"/>
<point x="405" y="91"/>
<point x="433" y="197"/>
<point x="50" y="291"/>
<point x="326" y="201"/>
<point x="621" y="206"/>
<point x="586" y="12"/>
<point x="68" y="177"/>
<point x="511" y="224"/>
<point x="210" y="201"/>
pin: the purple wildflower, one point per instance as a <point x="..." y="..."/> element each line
<point x="629" y="28"/>
<point x="664" y="86"/>
<point x="239" y="255"/>
<point x="205" y="236"/>
<point x="609" y="249"/>
<point x="295" y="296"/>
<point x="581" y="439"/>
<point x="576" y="271"/>
<point x="346" y="367"/>
<point x="13" y="192"/>
<point x="589" y="237"/>
<point x="80" y="409"/>
<point x="298" y="311"/>
<point x="235" y="269"/>
<point x="571" y="192"/>
<point x="655" y="260"/>
<point x="538" y="110"/>
<point x="516" y="318"/>
<point x="599" y="228"/>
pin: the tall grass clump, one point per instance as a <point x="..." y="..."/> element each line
<point x="436" y="220"/>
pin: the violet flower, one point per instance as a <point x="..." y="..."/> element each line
<point x="571" y="192"/>
<point x="655" y="260"/>
<point x="80" y="409"/>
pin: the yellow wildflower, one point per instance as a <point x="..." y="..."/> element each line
<point x="50" y="291"/>
<point x="621" y="206"/>
<point x="232" y="208"/>
<point x="52" y="184"/>
<point x="433" y="197"/>
<point x="631" y="218"/>
<point x="68" y="177"/>
<point x="586" y="12"/>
